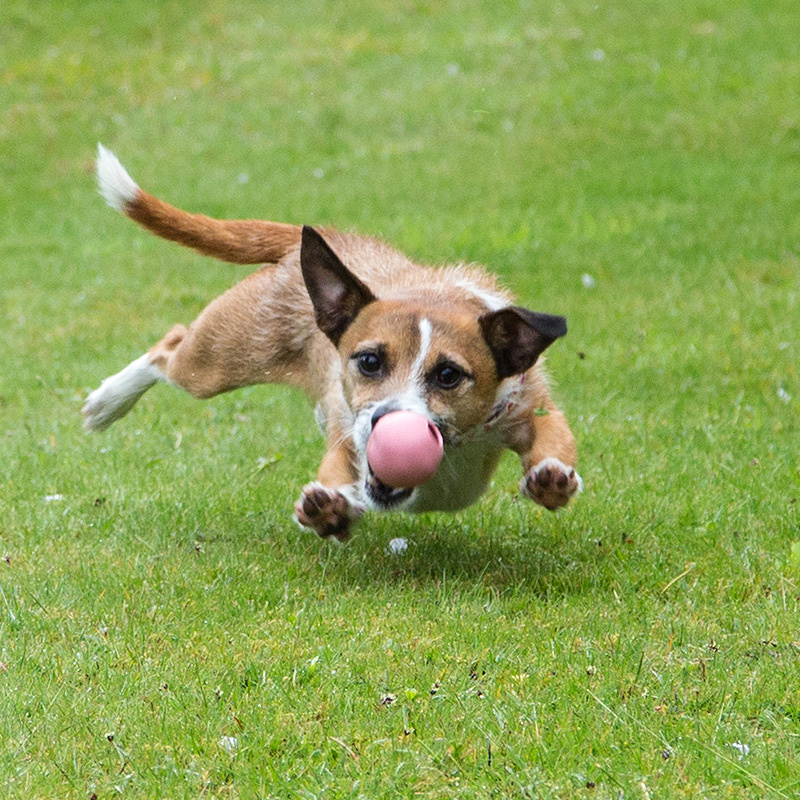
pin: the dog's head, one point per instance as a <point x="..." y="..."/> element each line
<point x="444" y="358"/>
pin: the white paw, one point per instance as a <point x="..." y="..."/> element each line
<point x="118" y="394"/>
<point x="551" y="483"/>
<point x="326" y="511"/>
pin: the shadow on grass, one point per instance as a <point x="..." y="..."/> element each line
<point x="473" y="553"/>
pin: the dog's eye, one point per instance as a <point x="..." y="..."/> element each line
<point x="448" y="376"/>
<point x="369" y="364"/>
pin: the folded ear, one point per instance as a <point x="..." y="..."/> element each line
<point x="517" y="337"/>
<point x="336" y="294"/>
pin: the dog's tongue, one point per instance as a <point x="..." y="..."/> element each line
<point x="404" y="449"/>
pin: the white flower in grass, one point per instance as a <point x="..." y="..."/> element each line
<point x="741" y="748"/>
<point x="398" y="546"/>
<point x="229" y="744"/>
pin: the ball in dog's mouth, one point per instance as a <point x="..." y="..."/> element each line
<point x="404" y="450"/>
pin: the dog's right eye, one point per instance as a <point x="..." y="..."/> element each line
<point x="369" y="364"/>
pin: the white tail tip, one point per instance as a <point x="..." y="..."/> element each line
<point x="116" y="186"/>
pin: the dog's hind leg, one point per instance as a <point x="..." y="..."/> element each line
<point x="118" y="394"/>
<point x="177" y="359"/>
<point x="260" y="331"/>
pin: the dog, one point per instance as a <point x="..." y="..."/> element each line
<point x="364" y="332"/>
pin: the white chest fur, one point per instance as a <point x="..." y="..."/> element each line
<point x="466" y="468"/>
<point x="461" y="478"/>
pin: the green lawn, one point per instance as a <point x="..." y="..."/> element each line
<point x="167" y="632"/>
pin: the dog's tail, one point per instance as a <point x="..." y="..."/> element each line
<point x="248" y="241"/>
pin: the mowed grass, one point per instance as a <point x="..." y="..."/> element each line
<point x="165" y="629"/>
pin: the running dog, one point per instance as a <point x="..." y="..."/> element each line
<point x="364" y="332"/>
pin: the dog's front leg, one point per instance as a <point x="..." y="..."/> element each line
<point x="548" y="453"/>
<point x="330" y="505"/>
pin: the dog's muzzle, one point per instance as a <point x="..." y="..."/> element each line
<point x="384" y="496"/>
<point x="403" y="452"/>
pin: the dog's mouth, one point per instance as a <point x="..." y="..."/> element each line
<point x="383" y="495"/>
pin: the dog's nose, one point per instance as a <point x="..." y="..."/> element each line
<point x="381" y="412"/>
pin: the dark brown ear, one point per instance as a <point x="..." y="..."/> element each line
<point x="337" y="295"/>
<point x="517" y="337"/>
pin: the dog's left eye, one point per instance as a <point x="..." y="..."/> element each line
<point x="448" y="376"/>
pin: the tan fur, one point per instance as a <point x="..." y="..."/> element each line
<point x="264" y="330"/>
<point x="237" y="241"/>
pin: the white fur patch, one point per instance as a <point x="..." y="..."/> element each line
<point x="113" y="180"/>
<point x="425" y="338"/>
<point x="118" y="394"/>
<point x="462" y="476"/>
<point x="492" y="301"/>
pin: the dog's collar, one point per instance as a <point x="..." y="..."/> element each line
<point x="507" y="401"/>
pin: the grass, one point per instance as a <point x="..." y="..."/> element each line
<point x="165" y="630"/>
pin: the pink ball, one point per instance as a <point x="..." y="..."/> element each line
<point x="404" y="449"/>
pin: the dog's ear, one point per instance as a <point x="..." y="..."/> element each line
<point x="517" y="337"/>
<point x="336" y="294"/>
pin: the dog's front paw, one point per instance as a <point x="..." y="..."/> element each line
<point x="326" y="511"/>
<point x="551" y="483"/>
